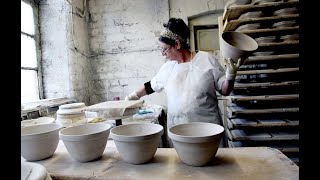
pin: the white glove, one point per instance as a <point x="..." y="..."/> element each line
<point x="132" y="96"/>
<point x="232" y="68"/>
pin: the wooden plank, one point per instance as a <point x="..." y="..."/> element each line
<point x="234" y="24"/>
<point x="239" y="98"/>
<point x="268" y="71"/>
<point x="240" y="110"/>
<point x="245" y="135"/>
<point x="274" y="31"/>
<point x="265" y="84"/>
<point x="238" y="135"/>
<point x="260" y="123"/>
<point x="281" y="57"/>
<point x="235" y="11"/>
<point x="283" y="148"/>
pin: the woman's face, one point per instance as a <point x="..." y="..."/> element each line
<point x="168" y="51"/>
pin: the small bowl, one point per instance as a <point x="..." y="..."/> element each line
<point x="263" y="53"/>
<point x="253" y="14"/>
<point x="248" y="27"/>
<point x="85" y="142"/>
<point x="283" y="24"/>
<point x="196" y="143"/>
<point x="237" y="45"/>
<point x="137" y="143"/>
<point x="286" y="11"/>
<point x="266" y="39"/>
<point x="257" y="2"/>
<point x="40" y="141"/>
<point x="290" y="37"/>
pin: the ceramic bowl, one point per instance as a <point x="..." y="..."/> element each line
<point x="285" y="11"/>
<point x="246" y="27"/>
<point x="137" y="143"/>
<point x="85" y="142"/>
<point x="237" y="45"/>
<point x="40" y="141"/>
<point x="253" y="14"/>
<point x="196" y="143"/>
<point x="283" y="24"/>
<point x="37" y="121"/>
<point x="266" y="39"/>
<point x="31" y="170"/>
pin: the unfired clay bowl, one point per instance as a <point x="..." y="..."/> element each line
<point x="85" y="142"/>
<point x="40" y="141"/>
<point x="196" y="143"/>
<point x="237" y="45"/>
<point x="137" y="143"/>
<point x="30" y="171"/>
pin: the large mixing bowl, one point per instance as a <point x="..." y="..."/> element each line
<point x="137" y="143"/>
<point x="40" y="141"/>
<point x="196" y="143"/>
<point x="237" y="45"/>
<point x="85" y="142"/>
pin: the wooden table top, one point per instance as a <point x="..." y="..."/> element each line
<point x="229" y="163"/>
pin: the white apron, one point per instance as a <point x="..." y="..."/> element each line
<point x="191" y="89"/>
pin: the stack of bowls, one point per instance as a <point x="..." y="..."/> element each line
<point x="196" y="143"/>
<point x="85" y="142"/>
<point x="137" y="143"/>
<point x="71" y="114"/>
<point x="40" y="141"/>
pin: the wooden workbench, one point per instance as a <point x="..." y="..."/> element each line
<point x="230" y="163"/>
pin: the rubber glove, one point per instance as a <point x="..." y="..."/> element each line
<point x="232" y="68"/>
<point x="132" y="96"/>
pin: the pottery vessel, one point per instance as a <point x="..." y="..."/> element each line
<point x="31" y="171"/>
<point x="137" y="143"/>
<point x="71" y="114"/>
<point x="196" y="143"/>
<point x="85" y="142"/>
<point x="237" y="45"/>
<point x="40" y="141"/>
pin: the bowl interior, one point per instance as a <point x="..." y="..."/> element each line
<point x="196" y="129"/>
<point x="142" y="129"/>
<point x="85" y="129"/>
<point x="39" y="129"/>
<point x="240" y="41"/>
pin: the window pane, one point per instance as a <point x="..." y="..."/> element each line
<point x="28" y="52"/>
<point x="27" y="21"/>
<point x="29" y="86"/>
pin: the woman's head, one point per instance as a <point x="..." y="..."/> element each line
<point x="175" y="30"/>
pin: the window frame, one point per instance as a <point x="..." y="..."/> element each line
<point x="37" y="38"/>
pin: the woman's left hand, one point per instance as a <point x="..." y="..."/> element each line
<point x="232" y="68"/>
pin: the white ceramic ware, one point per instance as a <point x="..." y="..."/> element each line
<point x="37" y="121"/>
<point x="71" y="114"/>
<point x="137" y="143"/>
<point x="33" y="171"/>
<point x="85" y="142"/>
<point x="237" y="45"/>
<point x="40" y="141"/>
<point x="196" y="143"/>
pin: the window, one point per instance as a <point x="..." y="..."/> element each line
<point x="30" y="70"/>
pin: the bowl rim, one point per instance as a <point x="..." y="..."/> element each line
<point x="118" y="137"/>
<point x="196" y="139"/>
<point x="57" y="128"/>
<point x="71" y="137"/>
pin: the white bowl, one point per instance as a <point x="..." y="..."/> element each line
<point x="85" y="142"/>
<point x="196" y="143"/>
<point x="137" y="143"/>
<point x="34" y="171"/>
<point x="37" y="121"/>
<point x="237" y="45"/>
<point x="40" y="141"/>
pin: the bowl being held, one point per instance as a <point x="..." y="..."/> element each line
<point x="137" y="143"/>
<point x="85" y="142"/>
<point x="237" y="45"/>
<point x="40" y="141"/>
<point x="196" y="143"/>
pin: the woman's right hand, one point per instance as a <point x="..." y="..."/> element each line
<point x="132" y="96"/>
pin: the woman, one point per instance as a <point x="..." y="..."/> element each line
<point x="190" y="79"/>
